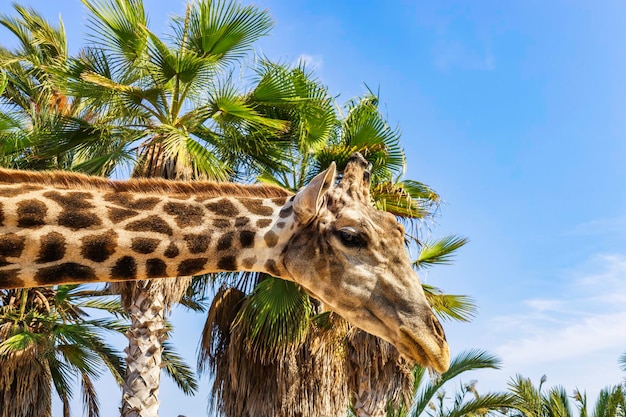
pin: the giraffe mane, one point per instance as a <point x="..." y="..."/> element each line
<point x="72" y="180"/>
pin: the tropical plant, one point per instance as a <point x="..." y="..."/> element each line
<point x="292" y="347"/>
<point x="30" y="104"/>
<point x="430" y="399"/>
<point x="531" y="401"/>
<point x="47" y="339"/>
<point x="174" y="105"/>
<point x="622" y="361"/>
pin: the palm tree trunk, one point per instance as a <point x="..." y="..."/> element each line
<point x="140" y="393"/>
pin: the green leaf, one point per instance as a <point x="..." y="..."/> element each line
<point x="224" y="30"/>
<point x="117" y="25"/>
<point x="450" y="306"/>
<point x="178" y="370"/>
<point x="439" y="252"/>
<point x="3" y="83"/>
<point x="19" y="342"/>
<point x="275" y="317"/>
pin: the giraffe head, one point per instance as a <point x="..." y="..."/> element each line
<point x="353" y="257"/>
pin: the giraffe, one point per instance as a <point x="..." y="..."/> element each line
<point x="60" y="228"/>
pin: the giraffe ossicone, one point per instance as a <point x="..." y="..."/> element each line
<point x="60" y="228"/>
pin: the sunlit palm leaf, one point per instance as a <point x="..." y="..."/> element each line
<point x="464" y="362"/>
<point x="406" y="199"/>
<point x="293" y="94"/>
<point x="478" y="406"/>
<point x="224" y="30"/>
<point x="117" y="26"/>
<point x="3" y="84"/>
<point x="450" y="306"/>
<point x="440" y="251"/>
<point x="231" y="108"/>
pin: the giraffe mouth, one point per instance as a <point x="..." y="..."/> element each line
<point x="427" y="351"/>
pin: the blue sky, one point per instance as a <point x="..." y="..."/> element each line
<point x="514" y="112"/>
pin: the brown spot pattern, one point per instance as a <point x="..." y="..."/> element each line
<point x="190" y="267"/>
<point x="263" y="223"/>
<point x="124" y="269"/>
<point x="223" y="207"/>
<point x="63" y="273"/>
<point x="10" y="191"/>
<point x="171" y="251"/>
<point x="10" y="279"/>
<point x="286" y="212"/>
<point x="241" y="221"/>
<point x="77" y="220"/>
<point x="150" y="224"/>
<point x="225" y="241"/>
<point x="227" y="263"/>
<point x="52" y="248"/>
<point x="270" y="266"/>
<point x="271" y="239"/>
<point x="256" y="207"/>
<point x="248" y="263"/>
<point x="246" y="238"/>
<point x="221" y="223"/>
<point x="99" y="248"/>
<point x="144" y="245"/>
<point x="13" y="191"/>
<point x="197" y="243"/>
<point x="74" y="205"/>
<point x="185" y="215"/>
<point x="31" y="213"/>
<point x="71" y="201"/>
<point x="156" y="268"/>
<point x="127" y="200"/>
<point x="11" y="245"/>
<point x="1" y="215"/>
<point x="117" y="215"/>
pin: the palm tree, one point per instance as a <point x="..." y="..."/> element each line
<point x="430" y="399"/>
<point x="531" y="401"/>
<point x="291" y="348"/>
<point x="42" y="126"/>
<point x="175" y="106"/>
<point x="47" y="339"/>
<point x="622" y="361"/>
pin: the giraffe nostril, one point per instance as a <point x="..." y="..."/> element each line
<point x="437" y="329"/>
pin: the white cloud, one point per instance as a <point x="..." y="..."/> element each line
<point x="584" y="327"/>
<point x="312" y="62"/>
<point x="577" y="340"/>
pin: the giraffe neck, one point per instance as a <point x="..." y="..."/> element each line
<point x="53" y="233"/>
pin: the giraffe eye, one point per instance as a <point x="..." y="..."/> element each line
<point x="351" y="238"/>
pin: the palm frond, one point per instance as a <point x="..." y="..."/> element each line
<point x="178" y="370"/>
<point x="449" y="306"/>
<point x="465" y="361"/>
<point x="406" y="199"/>
<point x="479" y="405"/>
<point x="224" y="30"/>
<point x="440" y="251"/>
<point x="274" y="318"/>
<point x="117" y="26"/>
<point x="90" y="398"/>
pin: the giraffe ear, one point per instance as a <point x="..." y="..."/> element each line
<point x="308" y="200"/>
